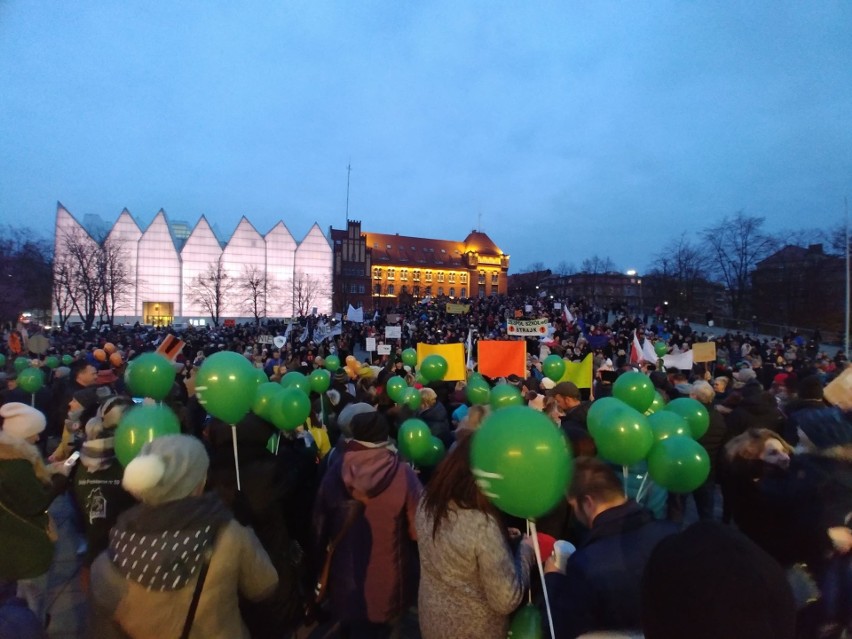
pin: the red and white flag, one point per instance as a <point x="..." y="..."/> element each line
<point x="566" y="314"/>
<point x="171" y="347"/>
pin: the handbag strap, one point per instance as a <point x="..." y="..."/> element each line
<point x="19" y="518"/>
<point x="356" y="508"/>
<point x="196" y="595"/>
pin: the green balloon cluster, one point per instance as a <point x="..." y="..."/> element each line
<point x="478" y="391"/>
<point x="51" y="361"/>
<point x="409" y="357"/>
<point x="30" y="380"/>
<point x="319" y="380"/>
<point x="332" y="363"/>
<point x="290" y="409"/>
<point x="411" y="397"/>
<point x="21" y="363"/>
<point x="679" y="464"/>
<point x="661" y="348"/>
<point x="67" y="360"/>
<point x="624" y="436"/>
<point x="395" y="387"/>
<point x="522" y="461"/>
<point x="2" y="360"/>
<point x="635" y="390"/>
<point x="414" y="440"/>
<point x="264" y="399"/>
<point x="553" y="367"/>
<point x="658" y="404"/>
<point x="667" y="424"/>
<point x="433" y="368"/>
<point x="295" y="379"/>
<point x="526" y="624"/>
<point x="140" y="425"/>
<point x="693" y="412"/>
<point x="436" y="453"/>
<point x="150" y="375"/>
<point x="504" y="396"/>
<point x="226" y="385"/>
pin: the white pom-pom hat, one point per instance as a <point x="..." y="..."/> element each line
<point x="168" y="468"/>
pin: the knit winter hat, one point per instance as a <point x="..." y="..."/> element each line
<point x="344" y="419"/>
<point x="21" y="421"/>
<point x="371" y="427"/>
<point x="167" y="468"/>
<point x="711" y="581"/>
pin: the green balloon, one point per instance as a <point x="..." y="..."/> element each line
<point x="693" y="412"/>
<point x="478" y="392"/>
<point x="602" y="411"/>
<point x="409" y="357"/>
<point x="2" y="360"/>
<point x="411" y="397"/>
<point x="553" y="367"/>
<point x="150" y="375"/>
<point x="260" y="376"/>
<point x="658" y="404"/>
<point x="332" y="363"/>
<point x="51" y="361"/>
<point x="505" y="395"/>
<point x="30" y="380"/>
<point x="661" y="348"/>
<point x="415" y="440"/>
<point x="319" y="380"/>
<point x="140" y="425"/>
<point x="526" y="624"/>
<point x="226" y="386"/>
<point x="679" y="464"/>
<point x="433" y="368"/>
<point x="521" y="461"/>
<point x="395" y="388"/>
<point x="634" y="389"/>
<point x="436" y="453"/>
<point x="291" y="409"/>
<point x="624" y="438"/>
<point x="67" y="359"/>
<point x="667" y="424"/>
<point x="297" y="380"/>
<point x="264" y="399"/>
<point x="21" y="363"/>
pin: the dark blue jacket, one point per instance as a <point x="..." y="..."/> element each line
<point x="601" y="587"/>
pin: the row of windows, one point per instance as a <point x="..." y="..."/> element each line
<point x="390" y="289"/>
<point x="427" y="275"/>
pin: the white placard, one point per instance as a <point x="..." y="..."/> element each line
<point x="370" y="344"/>
<point x="384" y="349"/>
<point x="279" y="341"/>
<point x="264" y="339"/>
<point x="557" y="306"/>
<point x="528" y="308"/>
<point x="393" y="332"/>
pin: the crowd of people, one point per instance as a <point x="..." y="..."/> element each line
<point x="327" y="529"/>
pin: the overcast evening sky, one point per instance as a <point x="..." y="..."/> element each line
<point x="571" y="128"/>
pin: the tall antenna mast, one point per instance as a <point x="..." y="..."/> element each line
<point x="348" y="173"/>
<point x="846" y="234"/>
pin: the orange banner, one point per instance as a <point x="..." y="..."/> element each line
<point x="497" y="358"/>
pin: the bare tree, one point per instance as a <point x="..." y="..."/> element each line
<point x="61" y="296"/>
<point x="212" y="289"/>
<point x="565" y="268"/>
<point x="79" y="256"/>
<point x="736" y="245"/>
<point x="25" y="267"/>
<point x="594" y="267"/>
<point x="307" y="291"/>
<point x="115" y="276"/>
<point x="677" y="271"/>
<point x="257" y="287"/>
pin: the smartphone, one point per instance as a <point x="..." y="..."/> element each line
<point x="73" y="458"/>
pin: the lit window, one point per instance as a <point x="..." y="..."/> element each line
<point x="495" y="279"/>
<point x="390" y="289"/>
<point x="391" y="274"/>
<point x="441" y="276"/>
<point x="463" y="292"/>
<point x="415" y="275"/>
<point x="482" y="277"/>
<point x="403" y="274"/>
<point x="377" y="273"/>
<point x="452" y="291"/>
<point x="451" y="278"/>
<point x="428" y="276"/>
<point x="463" y="280"/>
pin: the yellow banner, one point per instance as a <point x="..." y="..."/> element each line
<point x="579" y="372"/>
<point x="458" y="309"/>
<point x="453" y="353"/>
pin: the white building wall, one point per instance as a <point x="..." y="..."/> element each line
<point x="158" y="266"/>
<point x="245" y="249"/>
<point x="202" y="249"/>
<point x="280" y="260"/>
<point x="126" y="233"/>
<point x="314" y="259"/>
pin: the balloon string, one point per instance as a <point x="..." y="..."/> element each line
<point x="277" y="443"/>
<point x="534" y="535"/>
<point x="625" y="472"/>
<point x="236" y="455"/>
<point x="32" y="401"/>
<point x="644" y="483"/>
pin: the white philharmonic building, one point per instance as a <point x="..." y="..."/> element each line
<point x="166" y="257"/>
